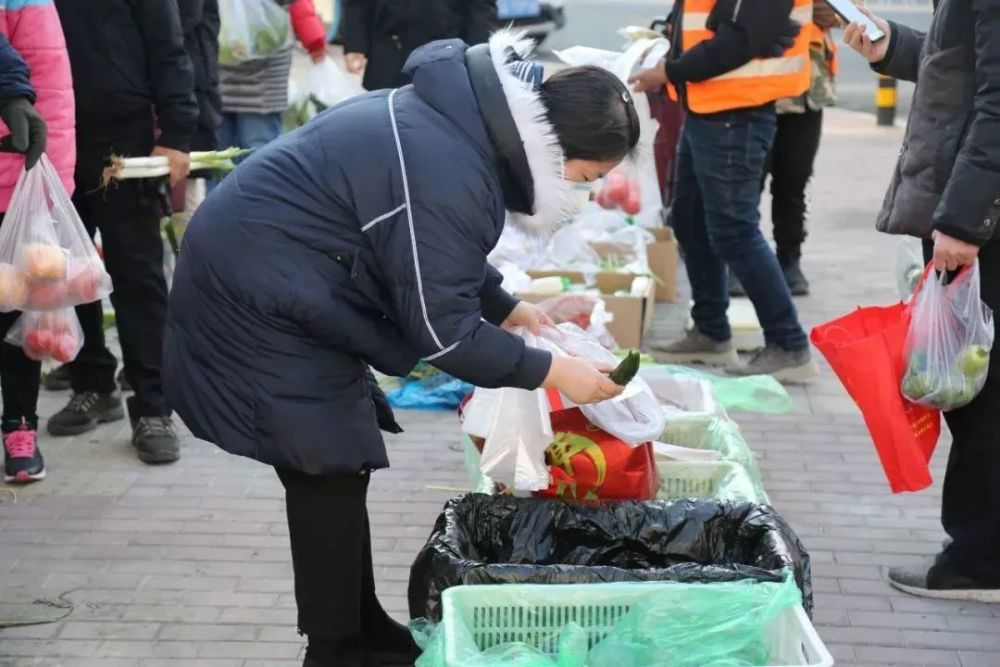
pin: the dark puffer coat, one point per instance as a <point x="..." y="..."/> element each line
<point x="948" y="174"/>
<point x="361" y="239"/>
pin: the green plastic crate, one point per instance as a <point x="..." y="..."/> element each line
<point x="717" y="479"/>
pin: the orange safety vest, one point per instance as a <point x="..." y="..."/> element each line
<point x="758" y="82"/>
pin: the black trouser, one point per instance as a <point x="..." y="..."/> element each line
<point x="970" y="509"/>
<point x="19" y="378"/>
<point x="331" y="554"/>
<point x="128" y="214"/>
<point x="790" y="164"/>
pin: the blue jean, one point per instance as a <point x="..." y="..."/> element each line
<point x="716" y="218"/>
<point x="247" y="130"/>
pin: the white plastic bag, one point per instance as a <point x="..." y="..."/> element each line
<point x="519" y="433"/>
<point x="327" y="85"/>
<point x="949" y="342"/>
<point x="634" y="416"/>
<point x="53" y="334"/>
<point x="47" y="260"/>
<point x="252" y="29"/>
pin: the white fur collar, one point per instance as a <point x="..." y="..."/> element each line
<point x="553" y="201"/>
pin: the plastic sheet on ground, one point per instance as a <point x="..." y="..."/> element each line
<point x="428" y="389"/>
<point x="482" y="539"/>
<point x="758" y="393"/>
<point x="667" y="625"/>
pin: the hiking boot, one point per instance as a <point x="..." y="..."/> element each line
<point x="735" y="286"/>
<point x="58" y="379"/>
<point x="696" y="348"/>
<point x="798" y="285"/>
<point x="122" y="382"/>
<point x="22" y="460"/>
<point x="155" y="440"/>
<point x="783" y="365"/>
<point x="84" y="412"/>
<point x="936" y="583"/>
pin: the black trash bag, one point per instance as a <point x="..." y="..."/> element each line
<point x="481" y="539"/>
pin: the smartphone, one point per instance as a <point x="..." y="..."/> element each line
<point x="848" y="11"/>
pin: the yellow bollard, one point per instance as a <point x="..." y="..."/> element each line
<point x="885" y="100"/>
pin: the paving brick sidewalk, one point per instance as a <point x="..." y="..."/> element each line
<point x="189" y="565"/>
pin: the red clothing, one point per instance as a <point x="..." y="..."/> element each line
<point x="307" y="25"/>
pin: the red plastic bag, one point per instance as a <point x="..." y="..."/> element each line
<point x="866" y="351"/>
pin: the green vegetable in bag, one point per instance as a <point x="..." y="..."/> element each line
<point x="626" y="370"/>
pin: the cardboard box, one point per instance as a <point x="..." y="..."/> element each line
<point x="664" y="258"/>
<point x="633" y="315"/>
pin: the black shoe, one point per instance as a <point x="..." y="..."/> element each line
<point x="22" y="460"/>
<point x="797" y="283"/>
<point x="392" y="645"/>
<point x="343" y="653"/>
<point x="58" y="380"/>
<point x="122" y="382"/>
<point x="155" y="440"/>
<point x="735" y="286"/>
<point x="939" y="584"/>
<point x="84" y="412"/>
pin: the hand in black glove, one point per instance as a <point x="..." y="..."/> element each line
<point x="27" y="130"/>
<point x="784" y="40"/>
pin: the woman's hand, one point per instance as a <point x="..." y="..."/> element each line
<point x="952" y="254"/>
<point x="355" y="62"/>
<point x="856" y="38"/>
<point x="650" y="79"/>
<point x="318" y="54"/>
<point x="582" y="381"/>
<point x="529" y="316"/>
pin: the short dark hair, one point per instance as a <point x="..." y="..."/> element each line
<point x="592" y="113"/>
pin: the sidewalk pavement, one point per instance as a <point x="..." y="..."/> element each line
<point x="189" y="564"/>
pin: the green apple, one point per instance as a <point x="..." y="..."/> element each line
<point x="974" y="360"/>
<point x="916" y="386"/>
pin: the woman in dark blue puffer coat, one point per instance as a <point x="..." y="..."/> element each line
<point x="361" y="240"/>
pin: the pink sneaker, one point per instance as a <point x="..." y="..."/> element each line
<point x="22" y="460"/>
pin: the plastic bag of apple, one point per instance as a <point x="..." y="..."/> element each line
<point x="620" y="190"/>
<point x="47" y="259"/>
<point x="53" y="333"/>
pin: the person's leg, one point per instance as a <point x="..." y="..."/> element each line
<point x="256" y="130"/>
<point x="710" y="340"/>
<point x="795" y="146"/>
<point x="19" y="379"/>
<point x="729" y="154"/>
<point x="92" y="372"/>
<point x="326" y="527"/>
<point x="969" y="566"/>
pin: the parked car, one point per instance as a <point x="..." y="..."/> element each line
<point x="539" y="19"/>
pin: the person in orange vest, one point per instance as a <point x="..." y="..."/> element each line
<point x="729" y="62"/>
<point x="796" y="142"/>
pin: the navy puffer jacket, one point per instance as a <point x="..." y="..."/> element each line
<point x="361" y="239"/>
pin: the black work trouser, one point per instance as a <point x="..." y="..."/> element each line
<point x="970" y="508"/>
<point x="128" y="215"/>
<point x="331" y="554"/>
<point x="19" y="378"/>
<point x="790" y="163"/>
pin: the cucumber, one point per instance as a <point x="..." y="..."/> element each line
<point x="626" y="370"/>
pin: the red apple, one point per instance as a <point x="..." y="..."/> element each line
<point x="64" y="348"/>
<point x="37" y="344"/>
<point x="43" y="261"/>
<point x="13" y="287"/>
<point x="632" y="205"/>
<point x="85" y="282"/>
<point x="603" y="200"/>
<point x="48" y="296"/>
<point x="617" y="187"/>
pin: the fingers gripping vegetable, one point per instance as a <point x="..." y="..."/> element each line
<point x="626" y="370"/>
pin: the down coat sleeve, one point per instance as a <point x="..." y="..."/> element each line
<point x="902" y="56"/>
<point x="434" y="267"/>
<point x="495" y="302"/>
<point x="14" y="79"/>
<point x="970" y="207"/>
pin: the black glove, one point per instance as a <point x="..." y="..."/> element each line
<point x="27" y="130"/>
<point x="784" y="40"/>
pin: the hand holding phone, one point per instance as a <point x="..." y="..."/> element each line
<point x="851" y="13"/>
<point x="856" y="36"/>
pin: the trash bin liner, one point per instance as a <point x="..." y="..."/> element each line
<point x="481" y="539"/>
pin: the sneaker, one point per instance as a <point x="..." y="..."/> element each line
<point x="696" y="348"/>
<point x="122" y="382"/>
<point x="783" y="365"/>
<point x="58" y="379"/>
<point x="84" y="412"/>
<point x="22" y="460"/>
<point x="155" y="440"/>
<point x="735" y="286"/>
<point x="934" y="583"/>
<point x="798" y="285"/>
